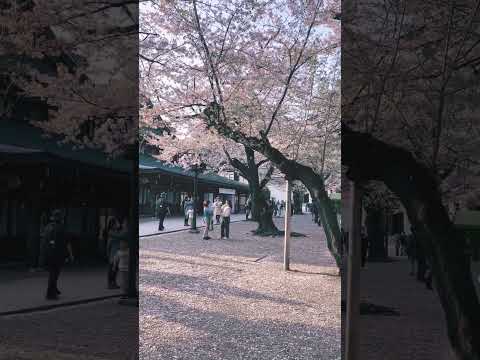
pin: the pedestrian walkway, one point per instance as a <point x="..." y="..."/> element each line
<point x="231" y="299"/>
<point x="418" y="332"/>
<point x="149" y="226"/>
<point x="102" y="330"/>
<point x="24" y="291"/>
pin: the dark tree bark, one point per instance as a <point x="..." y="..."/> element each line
<point x="416" y="187"/>
<point x="376" y="235"/>
<point x="261" y="212"/>
<point x="297" y="202"/>
<point x="293" y="170"/>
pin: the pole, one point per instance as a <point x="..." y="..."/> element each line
<point x="193" y="228"/>
<point x="353" y="276"/>
<point x="133" y="237"/>
<point x="288" y="221"/>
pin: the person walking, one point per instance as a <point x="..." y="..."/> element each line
<point x="248" y="207"/>
<point x="274" y="207"/>
<point x="315" y="212"/>
<point x="217" y="209"/>
<point x="225" y="226"/>
<point x="420" y="256"/>
<point x="396" y="240"/>
<point x="58" y="247"/>
<point x="187" y="208"/>
<point x="163" y="209"/>
<point x="116" y="234"/>
<point x="364" y="240"/>
<point x="411" y="253"/>
<point x="207" y="219"/>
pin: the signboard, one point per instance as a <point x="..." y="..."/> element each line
<point x="226" y="191"/>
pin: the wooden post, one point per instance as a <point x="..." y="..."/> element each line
<point x="288" y="220"/>
<point x="353" y="278"/>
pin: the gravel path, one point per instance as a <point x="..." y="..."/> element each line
<point x="420" y="330"/>
<point x="230" y="299"/>
<point x="98" y="331"/>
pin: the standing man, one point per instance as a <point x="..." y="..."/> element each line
<point x="58" y="247"/>
<point x="207" y="218"/>
<point x="225" y="226"/>
<point x="187" y="205"/>
<point x="411" y="247"/>
<point x="248" y="207"/>
<point x="364" y="240"/>
<point x="163" y="209"/>
<point x="217" y="209"/>
<point x="315" y="212"/>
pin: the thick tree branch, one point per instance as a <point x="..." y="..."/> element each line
<point x="267" y="177"/>
<point x="416" y="187"/>
<point x="261" y="162"/>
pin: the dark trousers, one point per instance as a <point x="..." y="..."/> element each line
<point x="364" y="256"/>
<point x="54" y="268"/>
<point x="161" y="218"/>
<point x="421" y="268"/>
<point x="217" y="217"/>
<point x="112" y="274"/>
<point x="225" y="227"/>
<point x="186" y="220"/>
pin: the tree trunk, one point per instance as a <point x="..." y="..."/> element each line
<point x="292" y="169"/>
<point x="297" y="202"/>
<point x="376" y="236"/>
<point x="417" y="189"/>
<point x="261" y="212"/>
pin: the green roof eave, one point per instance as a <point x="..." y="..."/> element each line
<point x="16" y="133"/>
<point x="148" y="164"/>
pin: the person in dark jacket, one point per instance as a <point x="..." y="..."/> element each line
<point x="58" y="247"/>
<point x="364" y="240"/>
<point x="163" y="209"/>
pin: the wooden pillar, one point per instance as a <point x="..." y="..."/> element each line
<point x="353" y="278"/>
<point x="288" y="221"/>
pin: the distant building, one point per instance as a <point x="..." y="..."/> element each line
<point x="157" y="177"/>
<point x="38" y="175"/>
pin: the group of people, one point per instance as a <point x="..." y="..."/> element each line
<point x="275" y="207"/>
<point x="411" y="246"/>
<point x="58" y="248"/>
<point x="219" y="210"/>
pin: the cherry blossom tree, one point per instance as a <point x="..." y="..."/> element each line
<point x="57" y="54"/>
<point x="252" y="71"/>
<point x="70" y="68"/>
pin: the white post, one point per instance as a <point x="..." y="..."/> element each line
<point x="288" y="221"/>
<point x="353" y="278"/>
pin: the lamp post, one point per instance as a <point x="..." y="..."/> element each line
<point x="196" y="168"/>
